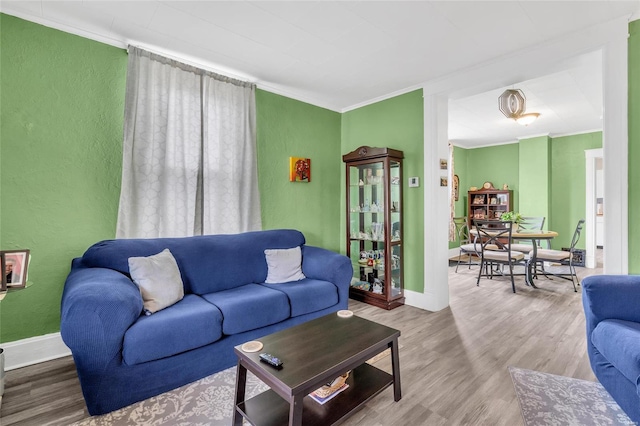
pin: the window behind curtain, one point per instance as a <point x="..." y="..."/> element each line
<point x="189" y="151"/>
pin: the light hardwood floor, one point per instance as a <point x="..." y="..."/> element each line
<point x="453" y="362"/>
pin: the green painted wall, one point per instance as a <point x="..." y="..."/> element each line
<point x="534" y="177"/>
<point x="460" y="168"/>
<point x="395" y="123"/>
<point x="289" y="128"/>
<point x="62" y="113"/>
<point x="634" y="147"/>
<point x="496" y="164"/>
<point x="568" y="185"/>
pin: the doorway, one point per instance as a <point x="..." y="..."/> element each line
<point x="594" y="205"/>
<point x="611" y="37"/>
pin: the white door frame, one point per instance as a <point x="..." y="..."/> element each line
<point x="611" y="38"/>
<point x="591" y="157"/>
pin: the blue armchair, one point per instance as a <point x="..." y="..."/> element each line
<point x="612" y="311"/>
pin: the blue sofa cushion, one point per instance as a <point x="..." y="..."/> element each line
<point x="308" y="295"/>
<point x="619" y="342"/>
<point x="208" y="263"/>
<point x="189" y="324"/>
<point x="249" y="307"/>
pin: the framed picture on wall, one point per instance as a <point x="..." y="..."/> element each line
<point x="15" y="267"/>
<point x="299" y="169"/>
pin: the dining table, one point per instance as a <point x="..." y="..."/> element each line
<point x="534" y="236"/>
<point x="529" y="235"/>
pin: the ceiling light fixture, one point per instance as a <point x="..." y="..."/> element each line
<point x="513" y="104"/>
<point x="526" y="119"/>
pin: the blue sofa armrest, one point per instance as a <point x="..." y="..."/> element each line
<point x="98" y="306"/>
<point x="322" y="264"/>
<point x="610" y="297"/>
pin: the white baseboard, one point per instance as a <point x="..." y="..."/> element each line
<point x="33" y="350"/>
<point x="420" y="300"/>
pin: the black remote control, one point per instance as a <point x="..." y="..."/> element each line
<point x="271" y="360"/>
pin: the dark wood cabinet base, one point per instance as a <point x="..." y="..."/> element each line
<point x="370" y="298"/>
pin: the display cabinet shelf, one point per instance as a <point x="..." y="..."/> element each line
<point x="488" y="204"/>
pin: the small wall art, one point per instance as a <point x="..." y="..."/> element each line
<point x="15" y="263"/>
<point x="299" y="169"/>
<point x="443" y="164"/>
<point x="444" y="181"/>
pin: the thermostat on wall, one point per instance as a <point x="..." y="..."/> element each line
<point x="414" y="182"/>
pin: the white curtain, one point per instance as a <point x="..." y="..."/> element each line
<point x="189" y="152"/>
<point x="452" y="197"/>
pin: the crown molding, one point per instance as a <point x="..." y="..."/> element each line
<point x="284" y="91"/>
<point x="461" y="144"/>
<point x="538" y="135"/>
<point x="582" y="132"/>
<point x="63" y="27"/>
<point x="383" y="97"/>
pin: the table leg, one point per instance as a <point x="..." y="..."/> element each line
<point x="395" y="367"/>
<point x="295" y="411"/>
<point x="241" y="384"/>
<point x="531" y="264"/>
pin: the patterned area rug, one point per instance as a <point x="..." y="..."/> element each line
<point x="547" y="399"/>
<point x="208" y="401"/>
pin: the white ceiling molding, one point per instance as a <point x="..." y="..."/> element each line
<point x="64" y="27"/>
<point x="384" y="97"/>
<point x="488" y="145"/>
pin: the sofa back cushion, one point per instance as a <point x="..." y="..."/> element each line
<point x="159" y="280"/>
<point x="208" y="263"/>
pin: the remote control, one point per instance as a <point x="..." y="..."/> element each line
<point x="271" y="360"/>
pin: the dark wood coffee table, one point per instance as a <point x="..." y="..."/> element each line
<point x="313" y="354"/>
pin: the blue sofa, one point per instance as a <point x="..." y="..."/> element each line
<point x="123" y="356"/>
<point x="612" y="311"/>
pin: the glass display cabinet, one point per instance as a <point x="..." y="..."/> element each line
<point x="374" y="225"/>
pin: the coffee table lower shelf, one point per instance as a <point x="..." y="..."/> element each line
<point x="269" y="409"/>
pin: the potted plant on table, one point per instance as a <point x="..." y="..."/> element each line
<point x="514" y="217"/>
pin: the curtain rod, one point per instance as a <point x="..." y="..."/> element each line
<point x="178" y="63"/>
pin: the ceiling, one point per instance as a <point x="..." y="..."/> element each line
<point x="569" y="101"/>
<point x="345" y="54"/>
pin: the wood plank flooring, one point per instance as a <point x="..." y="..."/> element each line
<point x="453" y="362"/>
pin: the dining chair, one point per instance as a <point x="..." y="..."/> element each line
<point x="494" y="237"/>
<point x="562" y="257"/>
<point x="467" y="247"/>
<point x="529" y="223"/>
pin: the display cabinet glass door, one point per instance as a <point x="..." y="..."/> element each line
<point x="375" y="228"/>
<point x="396" y="229"/>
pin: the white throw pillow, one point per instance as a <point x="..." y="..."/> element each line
<point x="284" y="265"/>
<point x="158" y="278"/>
